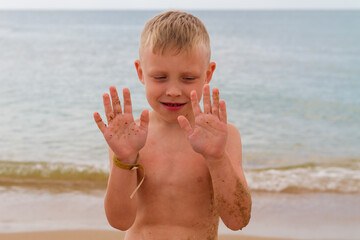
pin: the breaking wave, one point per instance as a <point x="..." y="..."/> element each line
<point x="338" y="178"/>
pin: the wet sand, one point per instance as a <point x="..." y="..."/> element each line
<point x="28" y="213"/>
<point x="94" y="235"/>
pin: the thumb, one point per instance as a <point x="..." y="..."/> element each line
<point x="185" y="125"/>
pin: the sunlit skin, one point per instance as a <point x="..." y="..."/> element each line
<point x="192" y="156"/>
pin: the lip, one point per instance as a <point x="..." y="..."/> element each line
<point x="173" y="106"/>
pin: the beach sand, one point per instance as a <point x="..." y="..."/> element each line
<point x="94" y="235"/>
<point x="36" y="214"/>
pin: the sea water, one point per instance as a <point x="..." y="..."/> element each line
<point x="291" y="81"/>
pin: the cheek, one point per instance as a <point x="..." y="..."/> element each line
<point x="149" y="91"/>
<point x="152" y="90"/>
<point x="151" y="97"/>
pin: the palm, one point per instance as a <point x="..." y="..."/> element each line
<point x="123" y="135"/>
<point x="209" y="133"/>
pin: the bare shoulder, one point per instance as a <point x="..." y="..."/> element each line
<point x="232" y="129"/>
<point x="234" y="139"/>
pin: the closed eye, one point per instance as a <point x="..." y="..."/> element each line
<point x="159" y="77"/>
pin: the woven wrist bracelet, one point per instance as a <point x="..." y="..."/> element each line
<point x="131" y="167"/>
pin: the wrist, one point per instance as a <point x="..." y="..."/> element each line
<point x="216" y="161"/>
<point x="131" y="159"/>
<point x="131" y="167"/>
<point x="216" y="157"/>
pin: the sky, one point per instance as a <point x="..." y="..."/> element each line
<point x="180" y="4"/>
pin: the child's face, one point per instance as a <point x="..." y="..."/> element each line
<point x="169" y="78"/>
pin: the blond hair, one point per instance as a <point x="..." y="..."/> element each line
<point x="174" y="30"/>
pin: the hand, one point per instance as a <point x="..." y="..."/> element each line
<point x="123" y="135"/>
<point x="209" y="134"/>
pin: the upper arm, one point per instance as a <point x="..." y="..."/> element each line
<point x="234" y="149"/>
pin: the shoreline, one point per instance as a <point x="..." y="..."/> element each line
<point x="98" y="234"/>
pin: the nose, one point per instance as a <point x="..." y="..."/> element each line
<point x="173" y="91"/>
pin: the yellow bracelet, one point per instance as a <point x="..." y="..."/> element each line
<point x="131" y="167"/>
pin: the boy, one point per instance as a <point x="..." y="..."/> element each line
<point x="188" y="160"/>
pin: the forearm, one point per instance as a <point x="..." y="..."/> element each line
<point x="119" y="208"/>
<point x="231" y="194"/>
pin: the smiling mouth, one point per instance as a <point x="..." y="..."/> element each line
<point x="173" y="104"/>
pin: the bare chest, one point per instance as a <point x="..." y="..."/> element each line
<point x="177" y="191"/>
<point x="174" y="166"/>
<point x="177" y="180"/>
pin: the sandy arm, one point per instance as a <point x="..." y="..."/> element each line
<point x="220" y="144"/>
<point x="230" y="188"/>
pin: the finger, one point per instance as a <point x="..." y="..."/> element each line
<point x="185" y="125"/>
<point x="101" y="125"/>
<point x="222" y="115"/>
<point x="115" y="100"/>
<point x="215" y="106"/>
<point x="127" y="101"/>
<point x="195" y="103"/>
<point x="207" y="99"/>
<point x="108" y="109"/>
<point x="144" y="119"/>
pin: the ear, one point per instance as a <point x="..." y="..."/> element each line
<point x="139" y="71"/>
<point x="210" y="71"/>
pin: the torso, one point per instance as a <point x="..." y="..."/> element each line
<point x="176" y="199"/>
